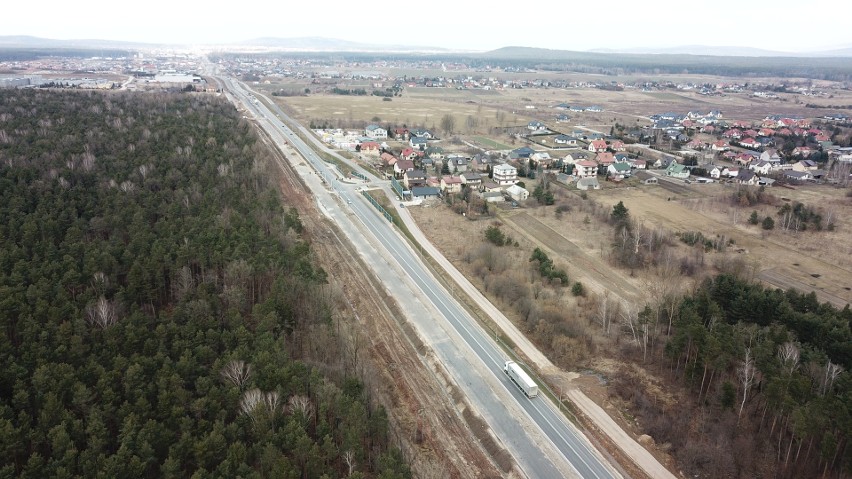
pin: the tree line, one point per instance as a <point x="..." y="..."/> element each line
<point x="157" y="298"/>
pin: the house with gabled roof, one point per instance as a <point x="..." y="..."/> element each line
<point x="376" y="132"/>
<point x="619" y="170"/>
<point x="720" y="145"/>
<point x="413" y="178"/>
<point x="576" y="156"/>
<point x="805" y="165"/>
<point x="471" y="179"/>
<point x="457" y="163"/>
<point x="387" y="159"/>
<point x="565" y="140"/>
<point x="536" y="126"/>
<point x="522" y="153"/>
<point x="750" y="143"/>
<point x="589" y="183"/>
<point x="370" y="148"/>
<point x="597" y="146"/>
<point x="617" y="146"/>
<point x="798" y="175"/>
<point x="425" y="193"/>
<point x="676" y="170"/>
<point x="451" y="184"/>
<point x="401" y="166"/>
<point x="605" y="159"/>
<point x="761" y="167"/>
<point x="418" y="143"/>
<point x="585" y="169"/>
<point x="409" y="153"/>
<point x="747" y="177"/>
<point x="422" y="133"/>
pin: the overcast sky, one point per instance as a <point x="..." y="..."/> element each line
<point x="782" y="25"/>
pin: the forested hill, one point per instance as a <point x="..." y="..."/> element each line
<point x="152" y="293"/>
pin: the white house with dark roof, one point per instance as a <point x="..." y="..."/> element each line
<point x="504" y="175"/>
<point x="376" y="132"/>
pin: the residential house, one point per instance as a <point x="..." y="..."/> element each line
<point x="750" y="143"/>
<point x="434" y="152"/>
<point x="619" y="170"/>
<point x="536" y="126"/>
<point x="480" y="162"/>
<point x="517" y="193"/>
<point x="585" y="169"/>
<point x="597" y="146"/>
<point x="565" y="140"/>
<point x="744" y="159"/>
<point x="605" y="159"/>
<point x="457" y="164"/>
<point x="730" y="172"/>
<point x="802" y="151"/>
<point x="401" y="133"/>
<point x="542" y="158"/>
<point x="720" y="145"/>
<point x="418" y="143"/>
<point x="676" y="170"/>
<point x="747" y="177"/>
<point x="387" y="159"/>
<point x="424" y="193"/>
<point x="504" y="174"/>
<point x="409" y="154"/>
<point x="621" y="158"/>
<point x="772" y="157"/>
<point x="714" y="172"/>
<point x="402" y="166"/>
<point x="638" y="164"/>
<point x="376" y="132"/>
<point x="451" y="184"/>
<point x="491" y="186"/>
<point x="576" y="156"/>
<point x="422" y="133"/>
<point x="522" y="153"/>
<point x="371" y="148"/>
<point x="798" y="175"/>
<point x="413" y="178"/>
<point x="492" y="196"/>
<point x="471" y="179"/>
<point x="761" y="167"/>
<point x="562" y="117"/>
<point x="588" y="184"/>
<point x="617" y="145"/>
<point x="805" y="165"/>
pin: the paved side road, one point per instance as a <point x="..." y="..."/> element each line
<point x="632" y="449"/>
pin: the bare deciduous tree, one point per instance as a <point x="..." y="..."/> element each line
<point x="301" y="404"/>
<point x="746" y="372"/>
<point x="349" y="459"/>
<point x="237" y="372"/>
<point x="788" y="356"/>
<point x="102" y="313"/>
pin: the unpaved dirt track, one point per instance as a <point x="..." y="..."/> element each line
<point x="425" y="419"/>
<point x="539" y="232"/>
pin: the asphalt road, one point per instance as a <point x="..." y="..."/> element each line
<point x="537" y="435"/>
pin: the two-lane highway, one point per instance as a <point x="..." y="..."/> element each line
<point x="538" y="436"/>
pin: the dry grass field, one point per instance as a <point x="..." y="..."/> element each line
<point x="820" y="261"/>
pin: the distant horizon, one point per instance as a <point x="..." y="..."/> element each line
<point x="457" y="26"/>
<point x="329" y="44"/>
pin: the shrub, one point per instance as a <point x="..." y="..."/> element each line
<point x="578" y="289"/>
<point x="768" y="223"/>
